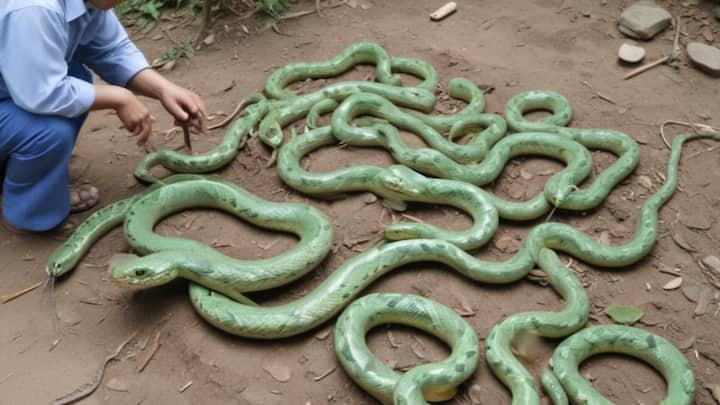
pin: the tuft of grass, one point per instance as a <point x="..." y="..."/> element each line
<point x="184" y="50"/>
<point x="273" y="8"/>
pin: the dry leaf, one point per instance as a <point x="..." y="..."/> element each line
<point x="673" y="284"/>
<point x="687" y="343"/>
<point x="646" y="182"/>
<point x="691" y="292"/>
<point x="703" y="301"/>
<point x="680" y="241"/>
<point x="624" y="314"/>
<point x="714" y="390"/>
<point x="710" y="266"/>
<point x="279" y="372"/>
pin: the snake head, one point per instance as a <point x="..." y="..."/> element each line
<point x="61" y="262"/>
<point x="562" y="194"/>
<point x="403" y="180"/>
<point x="144" y="272"/>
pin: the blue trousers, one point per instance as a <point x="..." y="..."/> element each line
<point x="34" y="156"/>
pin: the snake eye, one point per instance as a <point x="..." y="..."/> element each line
<point x="140" y="272"/>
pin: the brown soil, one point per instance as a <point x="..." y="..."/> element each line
<point x="52" y="341"/>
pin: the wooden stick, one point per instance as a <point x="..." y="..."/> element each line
<point x="325" y="374"/>
<point x="7" y="298"/>
<point x="647" y="66"/>
<point x="150" y="353"/>
<point x="597" y="93"/>
<point x="673" y="58"/>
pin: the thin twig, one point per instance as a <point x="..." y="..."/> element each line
<point x="230" y="117"/>
<point x="694" y="155"/>
<point x="647" y="66"/>
<point x="277" y="30"/>
<point x="206" y="20"/>
<point x="290" y="16"/>
<point x="87" y="389"/>
<point x="7" y="298"/>
<point x="672" y="59"/>
<point x="697" y="128"/>
<point x="150" y="353"/>
<point x="412" y="218"/>
<point x="186" y="386"/>
<point x="676" y="53"/>
<point x="597" y="93"/>
<point x="169" y="37"/>
<point x="325" y="374"/>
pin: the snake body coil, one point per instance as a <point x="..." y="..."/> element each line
<point x="371" y="114"/>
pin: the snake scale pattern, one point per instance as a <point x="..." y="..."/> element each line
<point x="372" y="114"/>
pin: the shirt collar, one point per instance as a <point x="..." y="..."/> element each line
<point x="74" y="9"/>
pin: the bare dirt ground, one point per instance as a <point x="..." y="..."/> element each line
<point x="52" y="341"/>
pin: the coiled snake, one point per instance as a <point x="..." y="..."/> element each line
<point x="371" y="114"/>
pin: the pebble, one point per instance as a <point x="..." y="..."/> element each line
<point x="643" y="20"/>
<point x="631" y="53"/>
<point x="705" y="57"/>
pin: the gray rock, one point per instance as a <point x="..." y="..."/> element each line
<point x="631" y="53"/>
<point x="644" y="20"/>
<point x="705" y="57"/>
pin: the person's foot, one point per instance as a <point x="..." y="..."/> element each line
<point x="83" y="197"/>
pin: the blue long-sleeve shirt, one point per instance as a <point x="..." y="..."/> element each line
<point x="37" y="40"/>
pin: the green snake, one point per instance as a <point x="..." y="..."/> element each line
<point x="217" y="287"/>
<point x="344" y="284"/>
<point x="359" y="178"/>
<point x="66" y="256"/>
<point x="435" y="381"/>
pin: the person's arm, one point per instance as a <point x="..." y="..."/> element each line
<point x="118" y="61"/>
<point x="183" y="104"/>
<point x="134" y="115"/>
<point x="33" y="42"/>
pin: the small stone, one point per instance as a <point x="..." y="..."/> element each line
<point x="705" y="57"/>
<point x="631" y="53"/>
<point x="644" y="20"/>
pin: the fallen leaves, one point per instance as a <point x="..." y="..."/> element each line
<point x="624" y="314"/>
<point x="673" y="284"/>
<point x="280" y="372"/>
<point x="710" y="266"/>
<point x="680" y="240"/>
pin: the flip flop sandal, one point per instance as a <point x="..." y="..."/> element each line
<point x="83" y="197"/>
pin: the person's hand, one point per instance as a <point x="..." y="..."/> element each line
<point x="135" y="117"/>
<point x="186" y="106"/>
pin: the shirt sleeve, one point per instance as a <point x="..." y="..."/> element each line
<point x="110" y="53"/>
<point x="33" y="41"/>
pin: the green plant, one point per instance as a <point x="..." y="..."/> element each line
<point x="183" y="50"/>
<point x="145" y="8"/>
